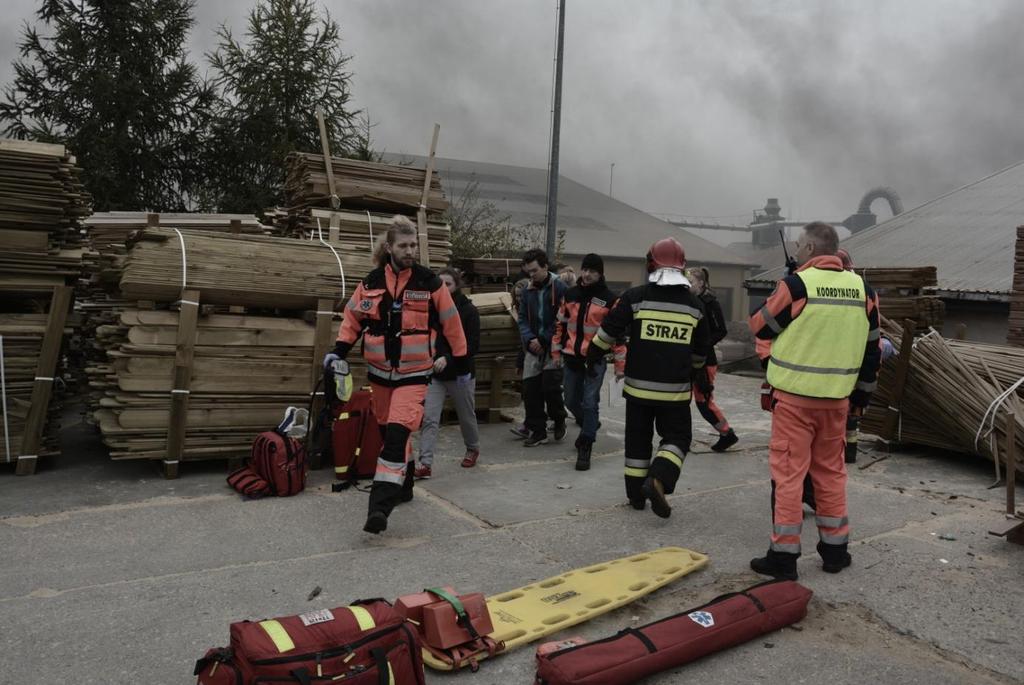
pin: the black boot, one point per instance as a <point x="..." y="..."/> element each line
<point x="834" y="558"/>
<point x="850" y="457"/>
<point x="725" y="441"/>
<point x="376" y="523"/>
<point x="640" y="503"/>
<point x="655" y="491"/>
<point x="781" y="565"/>
<point x="583" y="455"/>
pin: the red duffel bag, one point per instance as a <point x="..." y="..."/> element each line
<point x="355" y="438"/>
<point x="635" y="653"/>
<point x="363" y="644"/>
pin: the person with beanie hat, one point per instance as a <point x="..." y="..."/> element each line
<point x="583" y="310"/>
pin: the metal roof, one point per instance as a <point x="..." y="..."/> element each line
<point x="592" y="221"/>
<point x="969" y="235"/>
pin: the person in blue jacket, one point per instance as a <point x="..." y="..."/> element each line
<point x="542" y="375"/>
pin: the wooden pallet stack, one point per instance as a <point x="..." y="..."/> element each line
<point x="208" y="338"/>
<point x="42" y="203"/>
<point x="1015" y="334"/>
<point x="496" y="361"/>
<point x="368" y="195"/>
<point x="489" y="275"/>
<point x="903" y="294"/>
<point x="245" y="370"/>
<point x="938" y="393"/>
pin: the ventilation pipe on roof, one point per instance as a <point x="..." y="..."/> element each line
<point x="865" y="218"/>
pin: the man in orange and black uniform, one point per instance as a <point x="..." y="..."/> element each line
<point x="583" y="310"/>
<point x="668" y="346"/>
<point x="398" y="309"/>
<point x="822" y="323"/>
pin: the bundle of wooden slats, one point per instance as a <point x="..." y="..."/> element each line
<point x="105" y="229"/>
<point x="388" y="188"/>
<point x="1015" y="334"/>
<point x="499" y="345"/>
<point x="251" y="271"/>
<point x="42" y="203"/>
<point x="903" y="294"/>
<point x="947" y="396"/>
<point x="246" y="370"/>
<point x="22" y="338"/>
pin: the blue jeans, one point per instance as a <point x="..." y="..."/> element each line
<point x="582" y="397"/>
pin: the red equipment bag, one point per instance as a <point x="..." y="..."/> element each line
<point x="636" y="653"/>
<point x="355" y="438"/>
<point x="249" y="483"/>
<point x="281" y="461"/>
<point x="363" y="644"/>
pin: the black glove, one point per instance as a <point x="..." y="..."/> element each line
<point x="702" y="382"/>
<point x="860" y="398"/>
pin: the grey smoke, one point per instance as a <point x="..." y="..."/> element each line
<point x="706" y="108"/>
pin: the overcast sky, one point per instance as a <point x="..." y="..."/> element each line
<point x="705" y="107"/>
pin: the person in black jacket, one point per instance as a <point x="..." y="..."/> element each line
<point x="445" y="382"/>
<point x="703" y="392"/>
<point x="667" y="352"/>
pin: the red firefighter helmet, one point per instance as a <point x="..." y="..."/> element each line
<point x="667" y="252"/>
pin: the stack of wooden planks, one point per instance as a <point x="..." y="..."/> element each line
<point x="388" y="188"/>
<point x="106" y="229"/>
<point x="1015" y="334"/>
<point x="496" y="361"/>
<point x="946" y="393"/>
<point x="30" y="346"/>
<point x="369" y="194"/>
<point x="251" y="271"/>
<point x="42" y="203"/>
<point x="245" y="371"/>
<point x="903" y="294"/>
<point x="489" y="275"/>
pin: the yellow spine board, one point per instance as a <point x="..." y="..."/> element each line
<point x="540" y="609"/>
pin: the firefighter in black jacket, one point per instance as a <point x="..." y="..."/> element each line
<point x="703" y="395"/>
<point x="667" y="349"/>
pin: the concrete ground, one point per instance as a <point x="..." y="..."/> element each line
<point x="110" y="574"/>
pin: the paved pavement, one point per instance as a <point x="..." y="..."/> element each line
<point x="110" y="574"/>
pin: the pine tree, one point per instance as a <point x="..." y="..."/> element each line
<point x="270" y="88"/>
<point x="110" y="80"/>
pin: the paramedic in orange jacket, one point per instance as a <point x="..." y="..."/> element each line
<point x="822" y="322"/>
<point x="398" y="309"/>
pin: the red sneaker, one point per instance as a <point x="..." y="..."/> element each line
<point x="469" y="461"/>
<point x="422" y="472"/>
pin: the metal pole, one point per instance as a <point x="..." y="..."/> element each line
<point x="556" y="120"/>
<point x="611" y="177"/>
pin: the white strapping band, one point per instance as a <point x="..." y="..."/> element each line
<point x="320" y="230"/>
<point x="993" y="409"/>
<point x="184" y="260"/>
<point x="319" y="312"/>
<point x="369" y="220"/>
<point x="181" y="392"/>
<point x="44" y="378"/>
<point x="194" y="304"/>
<point x="3" y="394"/>
<point x="28" y="456"/>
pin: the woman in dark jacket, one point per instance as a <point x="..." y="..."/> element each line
<point x="445" y="382"/>
<point x="703" y="396"/>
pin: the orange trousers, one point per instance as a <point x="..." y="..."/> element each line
<point x="808" y="441"/>
<point x="399" y="412"/>
<point x="711" y="412"/>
